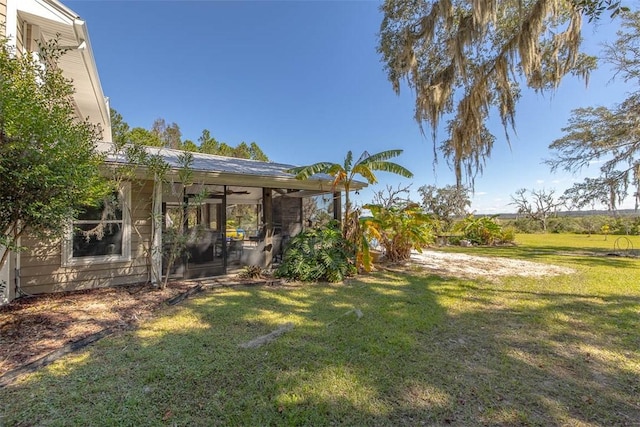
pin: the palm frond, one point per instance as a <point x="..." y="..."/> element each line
<point x="348" y="161"/>
<point x="381" y="156"/>
<point x="305" y="172"/>
<point x="390" y="167"/>
<point x="366" y="172"/>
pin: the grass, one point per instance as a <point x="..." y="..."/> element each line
<point x="428" y="350"/>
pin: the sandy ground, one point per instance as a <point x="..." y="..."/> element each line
<point x="470" y="266"/>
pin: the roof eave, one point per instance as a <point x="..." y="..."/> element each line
<point x="245" y="180"/>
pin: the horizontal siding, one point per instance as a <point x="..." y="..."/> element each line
<point x="3" y="13"/>
<point x="94" y="283"/>
<point x="20" y="36"/>
<point x="41" y="269"/>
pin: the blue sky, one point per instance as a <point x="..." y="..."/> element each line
<point x="304" y="81"/>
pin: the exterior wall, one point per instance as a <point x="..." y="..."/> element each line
<point x="3" y="11"/>
<point x="5" y="280"/>
<point x="287" y="216"/>
<point x="20" y="36"/>
<point x="42" y="270"/>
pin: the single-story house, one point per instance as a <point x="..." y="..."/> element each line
<point x="233" y="212"/>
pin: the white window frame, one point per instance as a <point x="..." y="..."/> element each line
<point x="67" y="245"/>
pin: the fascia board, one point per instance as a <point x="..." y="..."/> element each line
<point x="47" y="9"/>
<point x="82" y="35"/>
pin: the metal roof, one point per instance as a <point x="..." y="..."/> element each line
<point x="214" y="169"/>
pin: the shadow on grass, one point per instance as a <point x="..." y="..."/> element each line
<point x="426" y="350"/>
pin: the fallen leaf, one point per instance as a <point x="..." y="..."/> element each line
<point x="167" y="415"/>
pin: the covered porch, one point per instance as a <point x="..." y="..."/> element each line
<point x="233" y="212"/>
<point x="226" y="227"/>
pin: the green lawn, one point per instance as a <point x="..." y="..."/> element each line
<point x="427" y="350"/>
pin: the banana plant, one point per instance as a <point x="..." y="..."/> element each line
<point x="344" y="174"/>
<point x="398" y="230"/>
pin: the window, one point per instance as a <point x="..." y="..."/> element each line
<point x="101" y="234"/>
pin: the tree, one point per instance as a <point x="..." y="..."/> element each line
<point x="607" y="136"/>
<point x="344" y="174"/>
<point x="169" y="134"/>
<point x="242" y="151"/>
<point x="445" y="202"/>
<point x="142" y="136"/>
<point x="189" y="145"/>
<point x="393" y="197"/>
<point x="607" y="191"/>
<point x="208" y="144"/>
<point x="464" y="59"/>
<point x="541" y="206"/>
<point x="49" y="168"/>
<point x="257" y="153"/>
<point x="119" y="128"/>
<point x="172" y="136"/>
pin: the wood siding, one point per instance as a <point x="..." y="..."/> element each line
<point x="3" y="14"/>
<point x="42" y="269"/>
<point x="20" y="36"/>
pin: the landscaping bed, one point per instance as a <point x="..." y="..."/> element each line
<point x="32" y="327"/>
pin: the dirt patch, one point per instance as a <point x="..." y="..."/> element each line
<point x="470" y="266"/>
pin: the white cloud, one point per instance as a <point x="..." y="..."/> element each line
<point x="539" y="181"/>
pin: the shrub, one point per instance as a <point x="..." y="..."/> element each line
<point x="399" y="229"/>
<point x="317" y="254"/>
<point x="508" y="235"/>
<point x="253" y="272"/>
<point x="484" y="231"/>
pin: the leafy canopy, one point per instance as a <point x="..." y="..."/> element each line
<point x="169" y="135"/>
<point x="49" y="168"/>
<point x="607" y="136"/>
<point x="466" y="59"/>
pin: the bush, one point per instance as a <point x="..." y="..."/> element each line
<point x="317" y="254"/>
<point x="484" y="231"/>
<point x="508" y="235"/>
<point x="399" y="229"/>
<point x="563" y="224"/>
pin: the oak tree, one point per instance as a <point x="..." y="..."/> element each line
<point x="467" y="59"/>
<point x="606" y="136"/>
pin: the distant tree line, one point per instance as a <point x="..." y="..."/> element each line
<point x="579" y="224"/>
<point x="163" y="134"/>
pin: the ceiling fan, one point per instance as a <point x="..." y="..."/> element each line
<point x="213" y="194"/>
<point x="229" y="192"/>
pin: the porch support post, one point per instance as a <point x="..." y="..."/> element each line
<point x="337" y="207"/>
<point x="267" y="219"/>
<point x="156" y="232"/>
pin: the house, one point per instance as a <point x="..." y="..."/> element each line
<point x="233" y="211"/>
